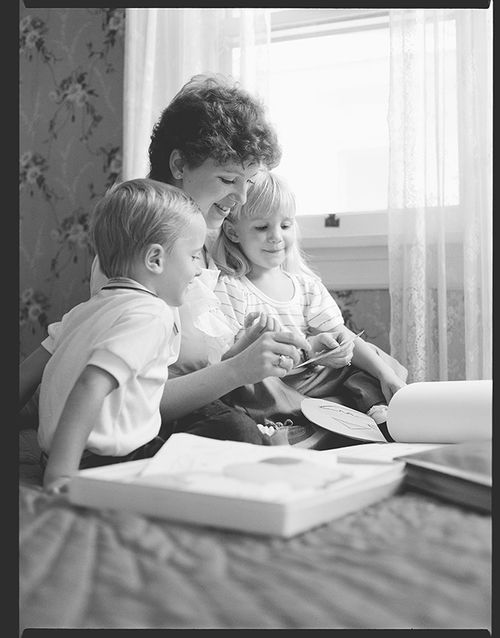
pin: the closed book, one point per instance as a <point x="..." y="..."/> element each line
<point x="271" y="490"/>
<point x="459" y="472"/>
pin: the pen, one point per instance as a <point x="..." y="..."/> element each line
<point x="327" y="352"/>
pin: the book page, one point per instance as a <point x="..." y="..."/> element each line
<point x="241" y="470"/>
<point x="441" y="412"/>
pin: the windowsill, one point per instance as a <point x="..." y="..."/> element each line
<point x="354" y="255"/>
<point x="350" y="256"/>
<point x="354" y="230"/>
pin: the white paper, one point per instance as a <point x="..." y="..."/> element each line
<point x="441" y="412"/>
<point x="377" y="452"/>
<point x="341" y="419"/>
<point x="229" y="468"/>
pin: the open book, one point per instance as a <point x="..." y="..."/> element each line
<point x="275" y="490"/>
<point x="425" y="412"/>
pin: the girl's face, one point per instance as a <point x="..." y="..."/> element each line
<point x="216" y="188"/>
<point x="266" y="240"/>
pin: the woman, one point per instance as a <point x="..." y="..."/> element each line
<point x="210" y="141"/>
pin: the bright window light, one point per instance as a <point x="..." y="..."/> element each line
<point x="329" y="97"/>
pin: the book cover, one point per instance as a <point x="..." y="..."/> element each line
<point x="460" y="472"/>
<point x="275" y="490"/>
<point x="423" y="412"/>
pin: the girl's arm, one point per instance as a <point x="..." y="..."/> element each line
<point x="79" y="414"/>
<point x="363" y="357"/>
<point x="30" y="374"/>
<point x="259" y="360"/>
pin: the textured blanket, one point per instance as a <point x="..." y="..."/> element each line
<point x="409" y="561"/>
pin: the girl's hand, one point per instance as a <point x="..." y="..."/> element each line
<point x="273" y="354"/>
<point x="341" y="354"/>
<point x="390" y="383"/>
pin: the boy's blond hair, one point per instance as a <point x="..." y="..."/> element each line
<point x="133" y="215"/>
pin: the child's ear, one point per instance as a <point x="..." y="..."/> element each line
<point x="176" y="164"/>
<point x="154" y="258"/>
<point x="230" y="231"/>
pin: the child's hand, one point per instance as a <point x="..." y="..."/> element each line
<point x="256" y="323"/>
<point x="341" y="355"/>
<point x="57" y="485"/>
<point x="390" y="383"/>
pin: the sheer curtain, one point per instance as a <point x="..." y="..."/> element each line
<point x="440" y="192"/>
<point x="164" y="48"/>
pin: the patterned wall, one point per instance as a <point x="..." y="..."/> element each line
<point x="71" y="81"/>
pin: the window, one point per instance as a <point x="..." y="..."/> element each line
<point x="329" y="98"/>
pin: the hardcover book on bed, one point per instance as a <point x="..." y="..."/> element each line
<point x="460" y="472"/>
<point x="272" y="490"/>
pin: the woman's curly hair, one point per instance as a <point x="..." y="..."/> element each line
<point x="212" y="117"/>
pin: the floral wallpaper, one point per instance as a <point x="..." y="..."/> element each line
<point x="71" y="83"/>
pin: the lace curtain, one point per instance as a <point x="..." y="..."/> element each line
<point x="440" y="227"/>
<point x="164" y="48"/>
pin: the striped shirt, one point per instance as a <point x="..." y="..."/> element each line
<point x="311" y="309"/>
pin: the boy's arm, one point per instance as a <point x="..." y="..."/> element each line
<point x="30" y="373"/>
<point x="79" y="414"/>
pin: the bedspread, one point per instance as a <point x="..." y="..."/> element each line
<point x="409" y="561"/>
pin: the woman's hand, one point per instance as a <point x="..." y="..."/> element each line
<point x="272" y="354"/>
<point x="340" y="356"/>
<point x="390" y="383"/>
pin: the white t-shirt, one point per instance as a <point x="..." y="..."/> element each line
<point x="311" y="309"/>
<point x="133" y="335"/>
<point x="206" y="332"/>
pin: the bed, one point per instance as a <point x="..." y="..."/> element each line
<point x="409" y="561"/>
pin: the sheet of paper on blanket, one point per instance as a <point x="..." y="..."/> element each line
<point x="275" y="490"/>
<point x="375" y="453"/>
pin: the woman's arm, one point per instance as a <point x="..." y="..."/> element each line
<point x="259" y="360"/>
<point x="79" y="414"/>
<point x="30" y="374"/>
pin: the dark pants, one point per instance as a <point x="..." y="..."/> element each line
<point x="89" y="459"/>
<point x="217" y="421"/>
<point x="361" y="390"/>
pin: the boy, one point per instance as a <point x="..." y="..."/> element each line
<point x="101" y="389"/>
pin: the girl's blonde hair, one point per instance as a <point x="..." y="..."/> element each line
<point x="270" y="193"/>
<point x="133" y="215"/>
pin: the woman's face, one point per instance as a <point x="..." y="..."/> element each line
<point x="218" y="187"/>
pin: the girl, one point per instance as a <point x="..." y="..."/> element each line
<point x="266" y="275"/>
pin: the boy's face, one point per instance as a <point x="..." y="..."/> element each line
<point x="182" y="263"/>
<point x="216" y="188"/>
<point x="265" y="240"/>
